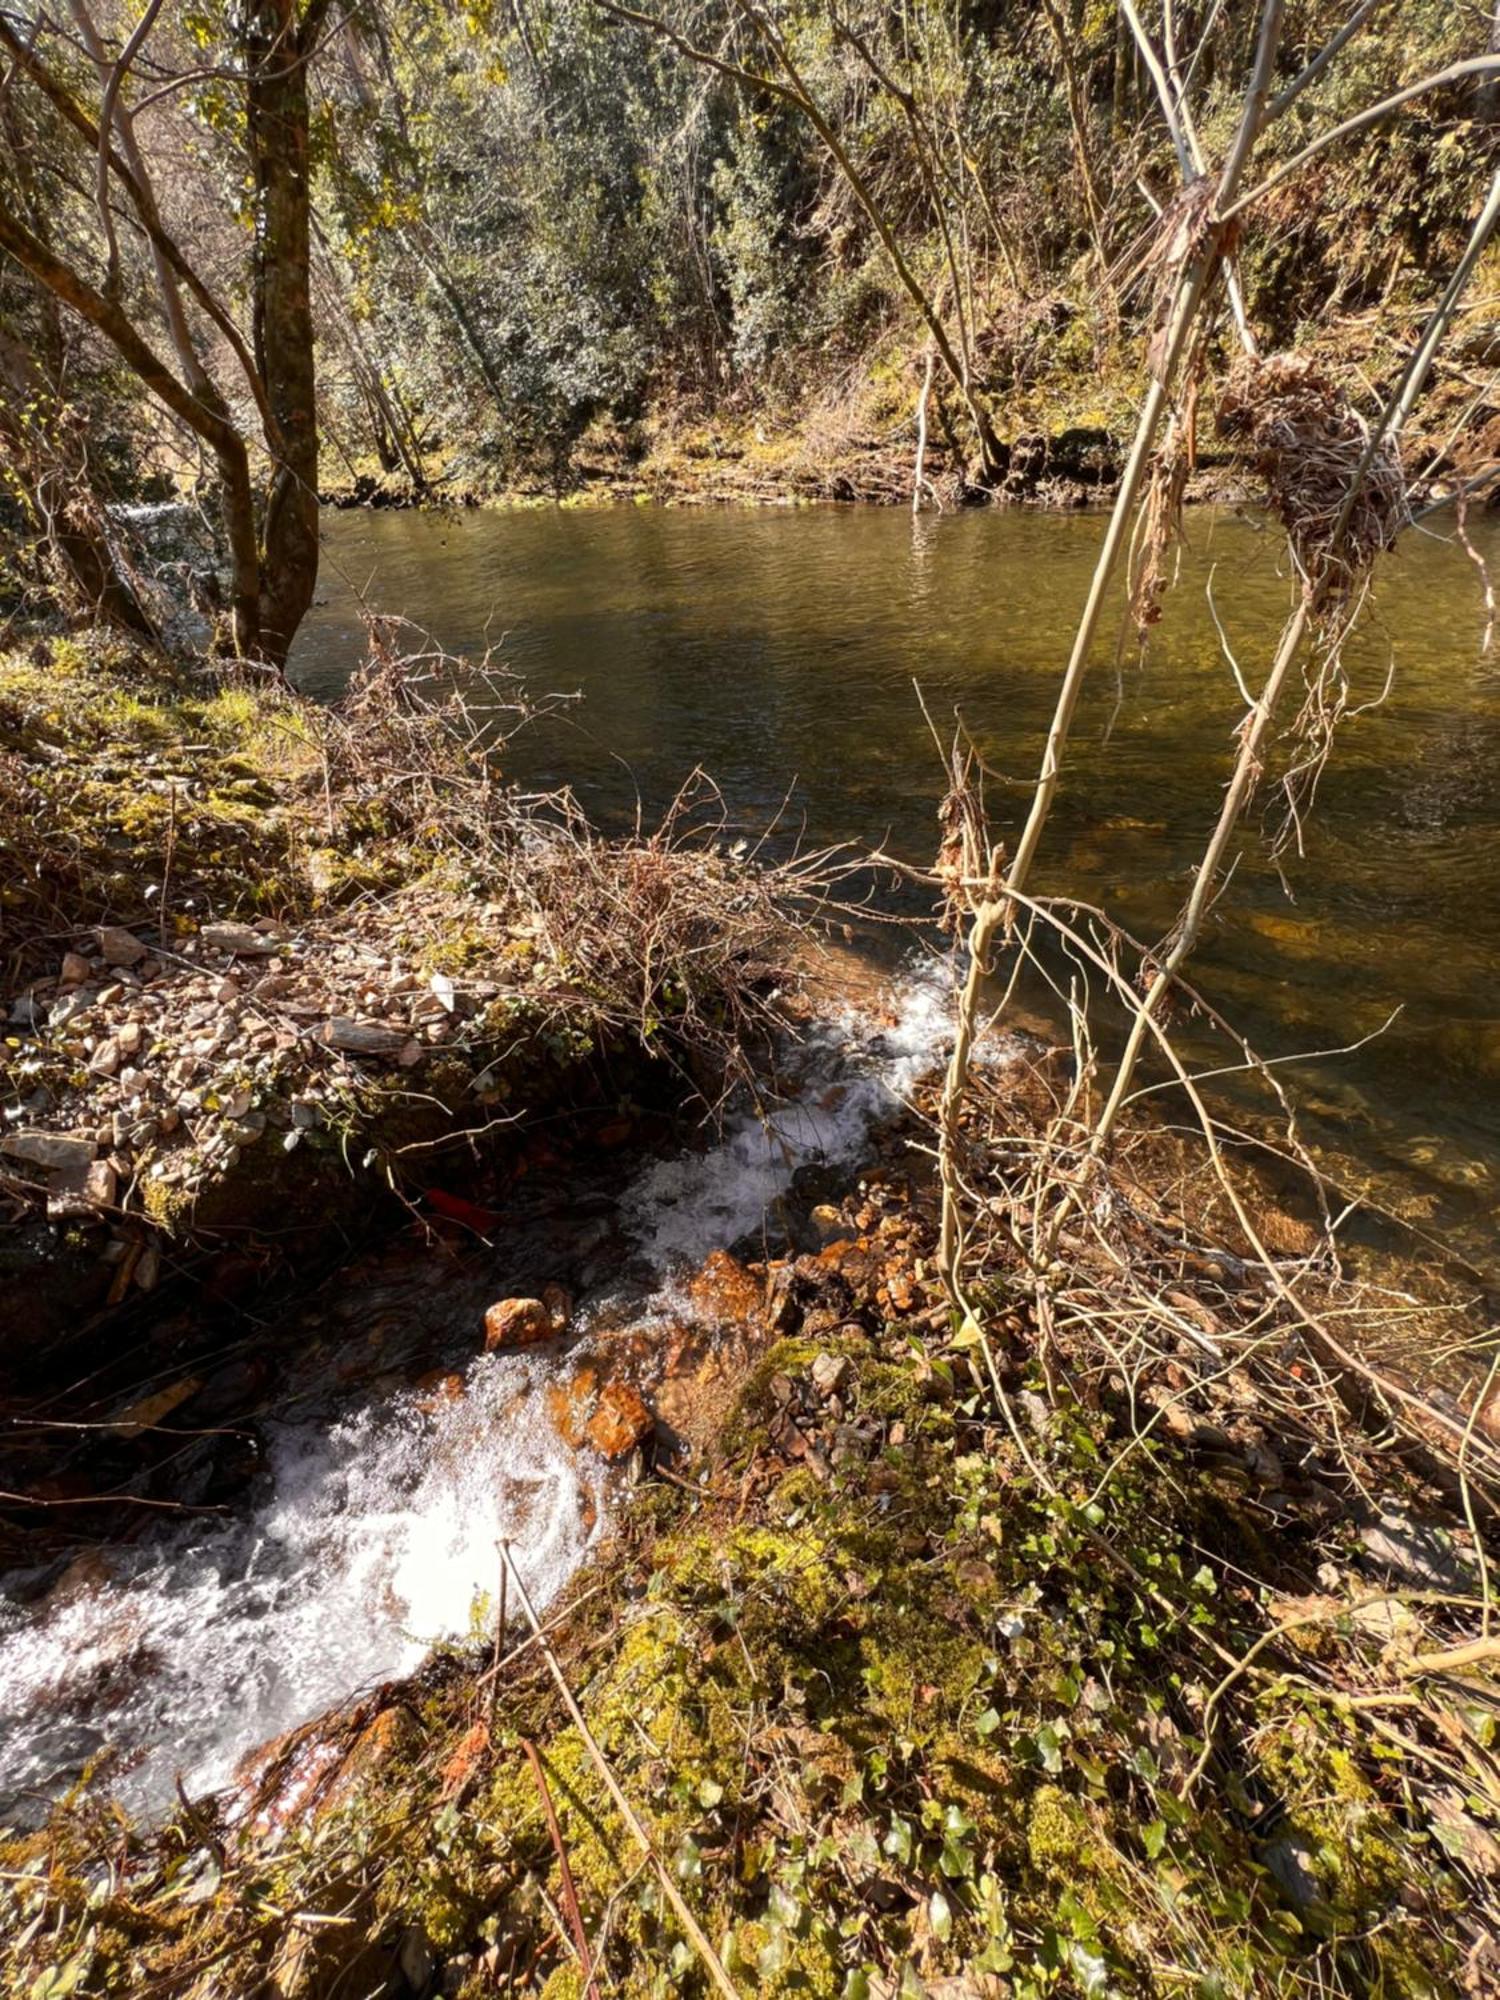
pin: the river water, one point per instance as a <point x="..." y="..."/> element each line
<point x="781" y="651"/>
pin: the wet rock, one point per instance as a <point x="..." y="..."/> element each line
<point x="620" y="1423"/>
<point x="516" y="1323"/>
<point x="571" y="1404"/>
<point x="559" y="1303"/>
<point x="84" y="1576"/>
<point x="119" y="947"/>
<point x="146" y="1414"/>
<point x="827" y="1222"/>
<point x="723" y="1290"/>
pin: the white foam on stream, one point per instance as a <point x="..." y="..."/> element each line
<point x="378" y="1538"/>
<point x="378" y="1535"/>
<point x="853" y="1073"/>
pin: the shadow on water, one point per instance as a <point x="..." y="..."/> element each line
<point x="779" y="650"/>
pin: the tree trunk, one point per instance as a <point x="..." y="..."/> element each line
<point x="276" y="52"/>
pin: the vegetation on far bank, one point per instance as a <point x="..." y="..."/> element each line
<point x="706" y="249"/>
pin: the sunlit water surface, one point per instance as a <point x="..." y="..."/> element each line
<point x="782" y="651"/>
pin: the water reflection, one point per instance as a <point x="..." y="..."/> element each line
<point x="777" y="648"/>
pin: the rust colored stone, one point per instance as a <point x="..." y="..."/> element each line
<point x="571" y="1404"/>
<point x="516" y="1323"/>
<point x="620" y="1423"/>
<point x="724" y="1290"/>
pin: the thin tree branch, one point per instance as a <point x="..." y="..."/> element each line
<point x="1455" y="73"/>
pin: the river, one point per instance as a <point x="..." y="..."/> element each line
<point x="781" y="651"/>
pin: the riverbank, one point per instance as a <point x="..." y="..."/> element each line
<point x="1113" y="1637"/>
<point x="909" y="1690"/>
<point x="847" y="452"/>
<point x="277" y="973"/>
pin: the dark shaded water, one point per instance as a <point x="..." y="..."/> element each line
<point x="781" y="649"/>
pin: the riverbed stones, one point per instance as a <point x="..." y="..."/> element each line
<point x="74" y="970"/>
<point x="516" y="1323"/>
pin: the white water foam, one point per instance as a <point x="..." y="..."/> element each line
<point x="852" y="1074"/>
<point x="379" y="1538"/>
<point x="379" y="1535"/>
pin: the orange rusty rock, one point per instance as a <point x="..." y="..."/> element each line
<point x="468" y="1755"/>
<point x="620" y="1423"/>
<point x="516" y="1323"/>
<point x="570" y="1404"/>
<point x="723" y="1289"/>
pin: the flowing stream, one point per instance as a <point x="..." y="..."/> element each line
<point x="375" y="1529"/>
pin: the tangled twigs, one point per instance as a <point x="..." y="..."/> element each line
<point x="679" y="934"/>
<point x="1307" y="442"/>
